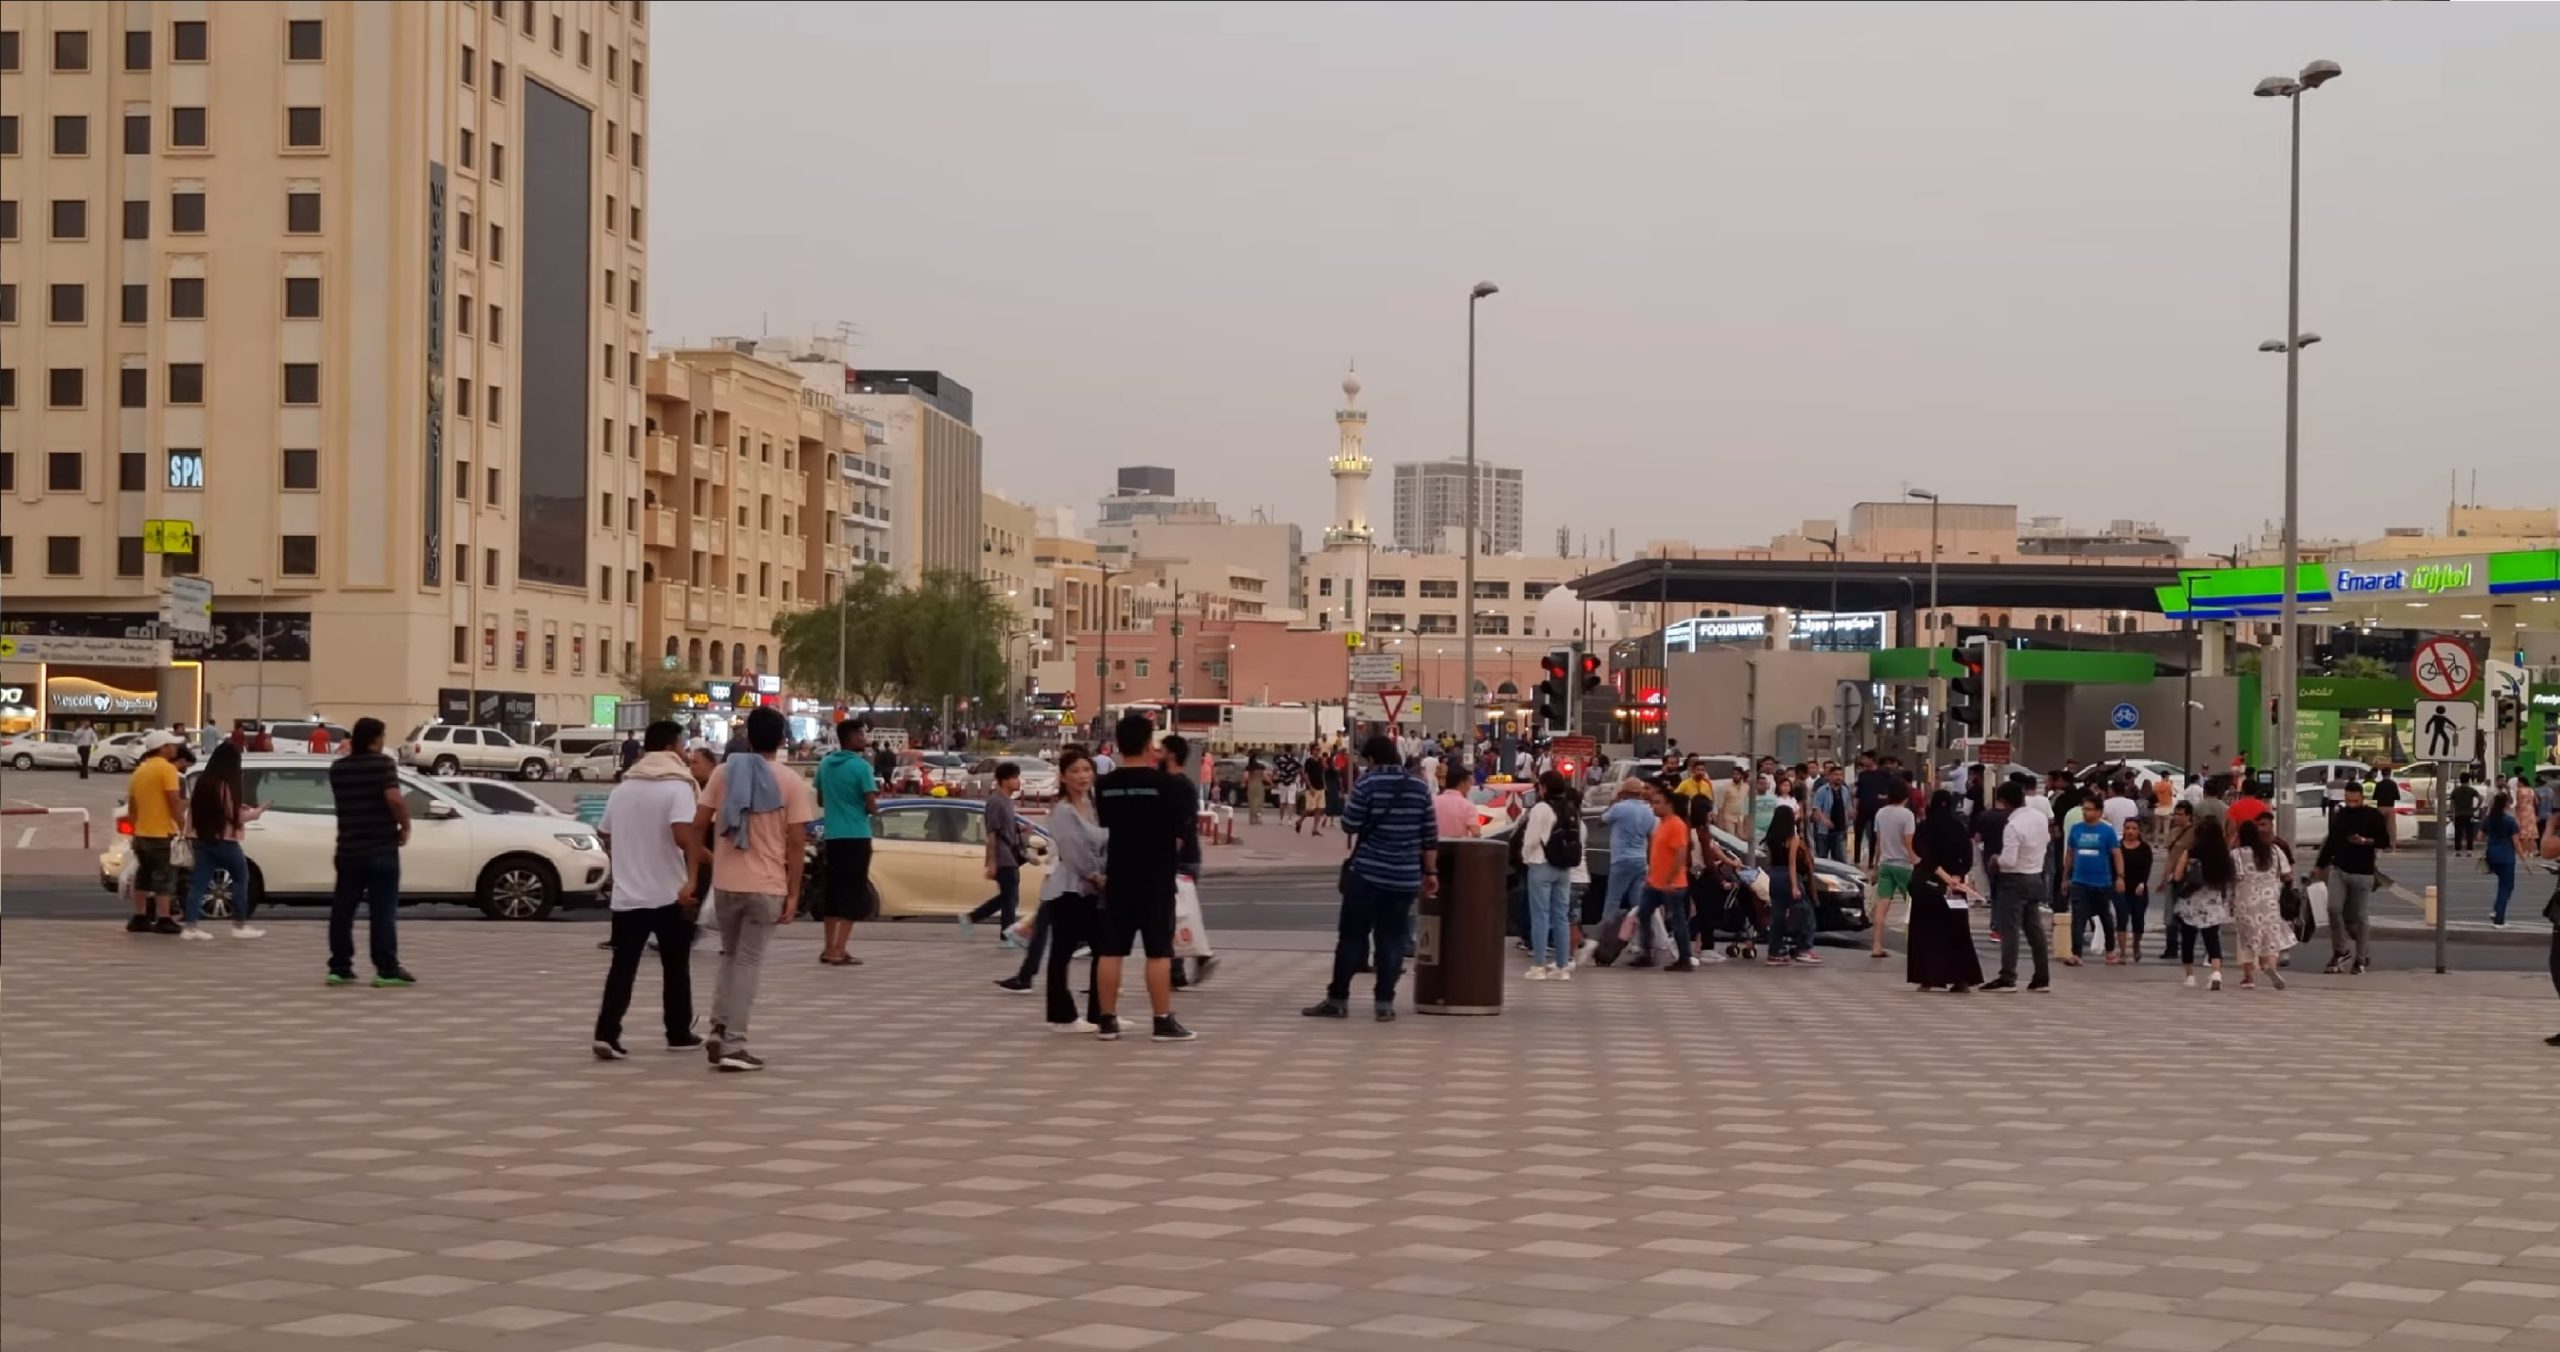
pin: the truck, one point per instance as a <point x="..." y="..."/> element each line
<point x="1241" y="726"/>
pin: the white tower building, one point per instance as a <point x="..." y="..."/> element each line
<point x="1351" y="466"/>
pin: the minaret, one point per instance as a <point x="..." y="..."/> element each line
<point x="1350" y="528"/>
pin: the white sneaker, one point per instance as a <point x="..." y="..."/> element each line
<point x="1079" y="1026"/>
<point x="1589" y="947"/>
<point x="1534" y="974"/>
<point x="247" y="932"/>
<point x="195" y="932"/>
<point x="1564" y="973"/>
<point x="2190" y="982"/>
<point x="2216" y="983"/>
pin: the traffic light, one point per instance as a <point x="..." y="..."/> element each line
<point x="1551" y="691"/>
<point x="1590" y="673"/>
<point x="1964" y="698"/>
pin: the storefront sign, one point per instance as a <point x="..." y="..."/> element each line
<point x="105" y="652"/>
<point x="79" y="697"/>
<point x="1856" y="629"/>
<point x="2441" y="577"/>
<point x="231" y="637"/>
<point x="602" y="709"/>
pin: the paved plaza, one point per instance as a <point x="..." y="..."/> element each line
<point x="202" y="1147"/>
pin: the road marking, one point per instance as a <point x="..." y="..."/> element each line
<point x="26" y="838"/>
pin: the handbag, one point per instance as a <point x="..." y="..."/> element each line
<point x="182" y="853"/>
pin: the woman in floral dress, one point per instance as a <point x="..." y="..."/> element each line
<point x="2257" y="905"/>
<point x="2204" y="901"/>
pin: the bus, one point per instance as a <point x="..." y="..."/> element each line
<point x="1190" y="717"/>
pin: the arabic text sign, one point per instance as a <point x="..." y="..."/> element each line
<point x="116" y="652"/>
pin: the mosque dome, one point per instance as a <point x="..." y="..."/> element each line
<point x="1560" y="614"/>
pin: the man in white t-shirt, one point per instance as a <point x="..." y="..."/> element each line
<point x="1896" y="823"/>
<point x="648" y="831"/>
<point x="2119" y="807"/>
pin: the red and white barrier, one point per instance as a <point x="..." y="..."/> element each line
<point x="43" y="828"/>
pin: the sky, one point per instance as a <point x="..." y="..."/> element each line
<point x="1756" y="262"/>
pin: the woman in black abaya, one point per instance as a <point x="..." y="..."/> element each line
<point x="1941" y="939"/>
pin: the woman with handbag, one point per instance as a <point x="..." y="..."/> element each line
<point x="2203" y="906"/>
<point x="216" y="811"/>
<point x="2257" y="905"/>
<point x="1940" y="945"/>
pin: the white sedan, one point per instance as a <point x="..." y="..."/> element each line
<point x="119" y="753"/>
<point x="511" y="865"/>
<point x="40" y="751"/>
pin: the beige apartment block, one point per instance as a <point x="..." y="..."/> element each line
<point x="742" y="514"/>
<point x="1005" y="553"/>
<point x="356" y="290"/>
<point x="936" y="460"/>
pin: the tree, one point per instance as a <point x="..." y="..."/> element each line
<point x="2360" y="666"/>
<point x="913" y="646"/>
<point x="658" y="688"/>
<point x="853" y="639"/>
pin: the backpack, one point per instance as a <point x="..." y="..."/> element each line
<point x="1564" y="843"/>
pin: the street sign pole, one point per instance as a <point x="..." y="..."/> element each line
<point x="2444" y="672"/>
<point x="2444" y="867"/>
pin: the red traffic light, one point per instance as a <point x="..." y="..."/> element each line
<point x="1591" y="664"/>
<point x="1553" y="664"/>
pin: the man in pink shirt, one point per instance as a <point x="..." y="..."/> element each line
<point x="1451" y="811"/>
<point x="750" y="821"/>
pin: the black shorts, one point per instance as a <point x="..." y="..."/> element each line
<point x="848" y="890"/>
<point x="152" y="871"/>
<point x="1131" y="922"/>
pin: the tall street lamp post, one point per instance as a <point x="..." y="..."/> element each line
<point x="1467" y="640"/>
<point x="2288" y="695"/>
<point x="1937" y="688"/>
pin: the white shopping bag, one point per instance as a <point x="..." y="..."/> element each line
<point x="125" y="875"/>
<point x="1190" y="930"/>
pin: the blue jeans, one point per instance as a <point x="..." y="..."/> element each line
<point x="372" y="881"/>
<point x="1791" y="917"/>
<point x="1550" y="915"/>
<point x="1006" y="904"/>
<point x="1626" y="889"/>
<point x="1371" y="915"/>
<point x="2092" y="901"/>
<point x="1828" y="844"/>
<point x="2502" y="866"/>
<point x="227" y="858"/>
<point x="1675" y="906"/>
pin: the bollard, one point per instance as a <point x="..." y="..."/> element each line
<point x="1461" y="932"/>
<point x="2431" y="904"/>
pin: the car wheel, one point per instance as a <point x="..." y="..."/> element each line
<point x="518" y="887"/>
<point x="109" y="765"/>
<point x="447" y="767"/>
<point x="576" y="775"/>
<point x="533" y="768"/>
<point x="22" y="761"/>
<point x="219" y="901"/>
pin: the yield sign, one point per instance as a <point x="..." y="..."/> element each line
<point x="2443" y="669"/>
<point x="1391" y="705"/>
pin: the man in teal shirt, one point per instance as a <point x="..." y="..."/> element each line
<point x="850" y="793"/>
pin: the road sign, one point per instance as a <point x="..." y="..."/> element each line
<point x="631" y="715"/>
<point x="2124" y="718"/>
<point x="2124" y="741"/>
<point x="1995" y="751"/>
<point x="186" y="604"/>
<point x="113" y="652"/>
<point x="1391" y="706"/>
<point x="168" y="537"/>
<point x="2447" y="730"/>
<point x="2444" y="669"/>
<point x="1849" y="702"/>
<point x="1376" y="668"/>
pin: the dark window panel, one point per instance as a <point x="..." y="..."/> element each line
<point x="188" y="40"/>
<point x="134" y="307"/>
<point x="302" y="213"/>
<point x="66" y="387"/>
<point x="129" y="556"/>
<point x="301" y="383"/>
<point x="186" y="213"/>
<point x="137" y="133"/>
<point x="62" y="555"/>
<point x="137" y="220"/>
<point x="64" y="471"/>
<point x="131" y="466"/>
<point x="187" y="128"/>
<point x="186" y="382"/>
<point x="67" y="303"/>
<point x="302" y="128"/>
<point x="186" y="298"/>
<point x="133" y="387"/>
<point x="302" y="298"/>
<point x="301" y="468"/>
<point x="300" y="556"/>
<point x="137" y="49"/>
<point x="303" y="40"/>
<point x="71" y="50"/>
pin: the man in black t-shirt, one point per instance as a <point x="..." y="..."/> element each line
<point x="373" y="823"/>
<point x="1148" y="813"/>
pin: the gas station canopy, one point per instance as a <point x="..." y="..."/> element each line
<point x="2452" y="591"/>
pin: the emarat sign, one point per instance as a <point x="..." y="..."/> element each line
<point x="2455" y="576"/>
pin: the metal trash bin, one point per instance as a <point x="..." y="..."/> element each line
<point x="1457" y="949"/>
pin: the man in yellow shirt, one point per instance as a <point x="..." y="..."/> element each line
<point x="156" y="808"/>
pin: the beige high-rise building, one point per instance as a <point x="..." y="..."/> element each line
<point x="742" y="513"/>
<point x="936" y="459"/>
<point x="356" y="290"/>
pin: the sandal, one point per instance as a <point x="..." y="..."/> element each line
<point x="2070" y="962"/>
<point x="2336" y="965"/>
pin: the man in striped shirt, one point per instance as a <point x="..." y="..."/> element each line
<point x="1394" y="860"/>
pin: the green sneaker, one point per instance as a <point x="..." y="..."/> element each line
<point x="394" y="979"/>
<point x="337" y="979"/>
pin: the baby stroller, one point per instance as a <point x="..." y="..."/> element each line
<point x="1732" y="905"/>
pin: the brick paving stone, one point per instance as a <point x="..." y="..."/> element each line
<point x="1615" y="1165"/>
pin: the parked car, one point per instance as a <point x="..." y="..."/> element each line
<point x="2145" y="773"/>
<point x="605" y="763"/>
<point x="294" y="738"/>
<point x="511" y="865"/>
<point x="48" y="750"/>
<point x="117" y="754"/>
<point x="2311" y="820"/>
<point x="497" y="795"/>
<point x="1840" y="890"/>
<point x="928" y="857"/>
<point x="571" y="744"/>
<point x="448" y="749"/>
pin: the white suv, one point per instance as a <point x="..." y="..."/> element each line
<point x="513" y="866"/>
<point x="446" y="750"/>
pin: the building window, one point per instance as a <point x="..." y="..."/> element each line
<point x="62" y="553"/>
<point x="186" y="298"/>
<point x="604" y="581"/>
<point x="612" y="214"/>
<point x="470" y="68"/>
<point x="462" y="490"/>
<point x="300" y="556"/>
<point x="129" y="556"/>
<point x="137" y="133"/>
<point x="497" y="162"/>
<point x="66" y="387"/>
<point x="8" y="302"/>
<point x="134" y="305"/>
<point x="497" y="242"/>
<point x="187" y="40"/>
<point x="635" y="150"/>
<point x="1386" y="586"/>
<point x="186" y="128"/>
<point x="302" y="298"/>
<point x="186" y="213"/>
<point x="184" y="565"/>
<point x="639" y="80"/>
<point x="301" y="382"/>
<point x="67" y="303"/>
<point x="186" y="382"/>
<point x="8" y="471"/>
<point x="8" y="555"/>
<point x="137" y="49"/>
<point x="1493" y="591"/>
<point x="586" y="49"/>
<point x="70" y="135"/>
<point x="301" y="468"/>
<point x="461" y="645"/>
<point x="137" y="219"/>
<point x="468" y="141"/>
<point x="497" y="406"/>
<point x="1140" y="667"/>
<point x="462" y="312"/>
<point x="635" y="293"/>
<point x="559" y="32"/>
<point x="1437" y="589"/>
<point x="8" y="49"/>
<point x="71" y="53"/>
<point x="498" y="81"/>
<point x="9" y="134"/>
<point x="613" y="63"/>
<point x="186" y="469"/>
<point x="462" y="397"/>
<point x="302" y="213"/>
<point x="302" y="128"/>
<point x="130" y="471"/>
<point x="1531" y="591"/>
<point x="70" y="218"/>
<point x="495" y="479"/>
<point x="133" y="387"/>
<point x="488" y="567"/>
<point x="463" y="232"/>
<point x="8" y="218"/>
<point x="64" y="471"/>
<point x="302" y="40"/>
<point x="1493" y="624"/>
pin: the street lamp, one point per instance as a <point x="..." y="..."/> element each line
<point x="1832" y="630"/>
<point x="1937" y="694"/>
<point x="260" y="699"/>
<point x="1467" y="641"/>
<point x="2288" y="695"/>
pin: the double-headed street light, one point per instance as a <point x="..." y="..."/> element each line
<point x="2288" y="696"/>
<point x="1937" y="692"/>
<point x="1467" y="641"/>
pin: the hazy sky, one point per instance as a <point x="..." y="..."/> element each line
<point x="1757" y="262"/>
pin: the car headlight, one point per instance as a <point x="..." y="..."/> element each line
<point x="1833" y="885"/>
<point x="578" y="840"/>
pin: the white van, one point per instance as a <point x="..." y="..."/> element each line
<point x="569" y="744"/>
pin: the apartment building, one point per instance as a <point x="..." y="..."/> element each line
<point x="356" y="291"/>
<point x="1431" y="506"/>
<point x="825" y="365"/>
<point x="743" y="508"/>
<point x="1006" y="559"/>
<point x="936" y="459"/>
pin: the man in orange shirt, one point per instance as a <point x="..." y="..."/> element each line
<point x="1666" y="878"/>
